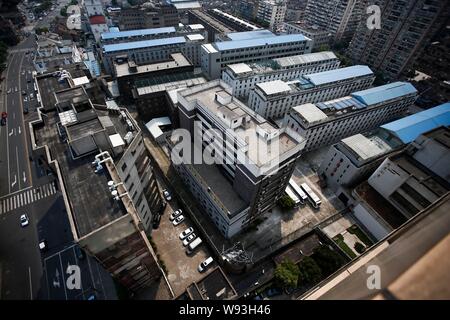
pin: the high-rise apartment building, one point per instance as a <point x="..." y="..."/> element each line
<point x="406" y="28"/>
<point x="338" y="17"/>
<point x="271" y="13"/>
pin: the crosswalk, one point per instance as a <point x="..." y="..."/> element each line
<point x="28" y="196"/>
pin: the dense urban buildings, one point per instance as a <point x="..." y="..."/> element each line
<point x="406" y="28"/>
<point x="327" y="122"/>
<point x="224" y="150"/>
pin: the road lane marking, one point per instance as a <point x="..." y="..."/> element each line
<point x="24" y="178"/>
<point x="31" y="284"/>
<point x="15" y="181"/>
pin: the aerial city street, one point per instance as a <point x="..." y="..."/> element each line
<point x="234" y="150"/>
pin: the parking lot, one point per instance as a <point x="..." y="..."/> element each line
<point x="181" y="268"/>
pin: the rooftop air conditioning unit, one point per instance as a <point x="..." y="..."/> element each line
<point x="129" y="137"/>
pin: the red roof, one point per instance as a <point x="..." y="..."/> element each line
<point x="97" y="20"/>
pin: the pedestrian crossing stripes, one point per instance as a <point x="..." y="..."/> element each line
<point x="26" y="197"/>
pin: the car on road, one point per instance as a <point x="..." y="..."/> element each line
<point x="3" y="118"/>
<point x="167" y="195"/>
<point x="178" y="220"/>
<point x="186" y="232"/>
<point x="24" y="92"/>
<point x="156" y="222"/>
<point x="205" y="264"/>
<point x="43" y="245"/>
<point x="189" y="239"/>
<point x="25" y="99"/>
<point x="175" y="214"/>
<point x="24" y="221"/>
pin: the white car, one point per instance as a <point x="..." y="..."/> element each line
<point x="186" y="232"/>
<point x="167" y="195"/>
<point x="24" y="221"/>
<point x="189" y="239"/>
<point x="178" y="220"/>
<point x="202" y="266"/>
<point x="175" y="214"/>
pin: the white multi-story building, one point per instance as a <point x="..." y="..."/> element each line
<point x="245" y="183"/>
<point x="272" y="12"/>
<point x="274" y="99"/>
<point x="327" y="122"/>
<point x="242" y="77"/>
<point x="147" y="51"/>
<point x="319" y="36"/>
<point x="352" y="159"/>
<point x="250" y="46"/>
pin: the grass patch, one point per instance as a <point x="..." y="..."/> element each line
<point x="354" y="229"/>
<point x="339" y="239"/>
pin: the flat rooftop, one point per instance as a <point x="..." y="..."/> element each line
<point x="48" y="85"/>
<point x="88" y="194"/>
<point x="274" y="87"/>
<point x="341" y="74"/>
<point x="168" y="86"/>
<point x="259" y="42"/>
<point x="310" y="113"/>
<point x="178" y="60"/>
<point x="313" y="29"/>
<point x="307" y="58"/>
<point x="133" y="45"/>
<point x="137" y="33"/>
<point x="214" y="286"/>
<point x="231" y="109"/>
<point x="247" y="35"/>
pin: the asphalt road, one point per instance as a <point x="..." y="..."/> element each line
<point x="15" y="167"/>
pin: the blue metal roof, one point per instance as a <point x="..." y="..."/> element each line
<point x="409" y="128"/>
<point x="250" y="35"/>
<point x="239" y="44"/>
<point x="338" y="74"/>
<point x="384" y="93"/>
<point x="142" y="44"/>
<point x="136" y="33"/>
<point x="341" y="103"/>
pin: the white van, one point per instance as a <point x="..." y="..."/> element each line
<point x="194" y="244"/>
<point x="202" y="266"/>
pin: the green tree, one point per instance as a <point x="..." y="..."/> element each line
<point x="286" y="274"/>
<point x="359" y="247"/>
<point x="327" y="260"/>
<point x="286" y="203"/>
<point x="310" y="272"/>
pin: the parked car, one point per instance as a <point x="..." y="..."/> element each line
<point x="24" y="92"/>
<point x="178" y="220"/>
<point x="189" y="239"/>
<point x="43" y="245"/>
<point x="186" y="232"/>
<point x="25" y="110"/>
<point x="24" y="221"/>
<point x="175" y="214"/>
<point x="193" y="245"/>
<point x="167" y="195"/>
<point x="205" y="264"/>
